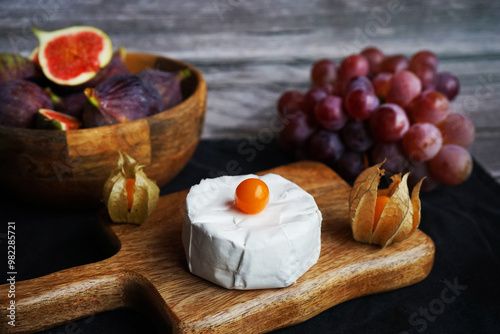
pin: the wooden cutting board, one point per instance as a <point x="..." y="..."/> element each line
<point x="149" y="273"/>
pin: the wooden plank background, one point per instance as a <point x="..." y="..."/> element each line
<point x="251" y="51"/>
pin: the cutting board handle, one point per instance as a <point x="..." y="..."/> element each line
<point x="76" y="293"/>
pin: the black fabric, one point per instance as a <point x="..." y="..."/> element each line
<point x="461" y="294"/>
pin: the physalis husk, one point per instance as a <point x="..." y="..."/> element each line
<point x="129" y="195"/>
<point x="399" y="217"/>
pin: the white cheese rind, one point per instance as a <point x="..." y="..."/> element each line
<point x="270" y="249"/>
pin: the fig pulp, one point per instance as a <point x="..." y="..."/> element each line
<point x="20" y="101"/>
<point x="73" y="55"/>
<point x="168" y="84"/>
<point x="115" y="66"/>
<point x="122" y="98"/>
<point x="71" y="104"/>
<point x="53" y="120"/>
<point x="13" y="66"/>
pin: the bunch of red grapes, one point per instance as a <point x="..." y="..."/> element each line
<point x="375" y="107"/>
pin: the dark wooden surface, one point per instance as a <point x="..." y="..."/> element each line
<point x="151" y="265"/>
<point x="251" y="51"/>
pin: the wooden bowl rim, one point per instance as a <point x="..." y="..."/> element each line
<point x="201" y="86"/>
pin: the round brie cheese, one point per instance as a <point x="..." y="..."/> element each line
<point x="270" y="249"/>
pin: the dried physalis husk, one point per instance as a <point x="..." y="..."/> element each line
<point x="129" y="195"/>
<point x="399" y="217"/>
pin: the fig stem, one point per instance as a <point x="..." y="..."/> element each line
<point x="122" y="51"/>
<point x="185" y="73"/>
<point x="56" y="99"/>
<point x="36" y="31"/>
<point x="89" y="93"/>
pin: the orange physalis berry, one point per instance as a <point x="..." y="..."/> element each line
<point x="379" y="207"/>
<point x="252" y="196"/>
<point x="129" y="187"/>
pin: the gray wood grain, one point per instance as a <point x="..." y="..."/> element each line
<point x="251" y="51"/>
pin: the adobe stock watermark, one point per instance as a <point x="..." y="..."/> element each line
<point x="224" y="6"/>
<point x="252" y="145"/>
<point x="379" y="19"/>
<point x="45" y="12"/>
<point x="73" y="327"/>
<point x="449" y="294"/>
<point x="62" y="168"/>
<point x="484" y="90"/>
<point x="148" y="2"/>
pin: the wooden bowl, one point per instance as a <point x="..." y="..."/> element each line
<point x="70" y="167"/>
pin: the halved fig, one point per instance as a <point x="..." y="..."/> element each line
<point x="73" y="55"/>
<point x="50" y="119"/>
<point x="33" y="56"/>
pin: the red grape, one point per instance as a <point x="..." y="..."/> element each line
<point x="289" y="101"/>
<point x="329" y="113"/>
<point x="389" y="123"/>
<point x="323" y="72"/>
<point x="352" y="66"/>
<point x="360" y="100"/>
<point x="393" y="64"/>
<point x="362" y="83"/>
<point x="360" y="104"/>
<point x="427" y="75"/>
<point x="380" y="84"/>
<point x="325" y="146"/>
<point x="448" y="84"/>
<point x="424" y="57"/>
<point x="328" y="88"/>
<point x="339" y="87"/>
<point x="452" y="165"/>
<point x="403" y="87"/>
<point x="387" y="107"/>
<point x="374" y="57"/>
<point x="312" y="97"/>
<point x="457" y="129"/>
<point x="418" y="172"/>
<point x="296" y="130"/>
<point x="422" y="142"/>
<point x="430" y="107"/>
<point x="357" y="136"/>
<point x="350" y="165"/>
<point x="395" y="160"/>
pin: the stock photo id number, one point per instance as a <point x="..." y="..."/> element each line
<point x="11" y="272"/>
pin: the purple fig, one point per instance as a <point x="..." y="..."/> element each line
<point x="20" y="101"/>
<point x="71" y="104"/>
<point x="92" y="117"/>
<point x="13" y="66"/>
<point x="168" y="84"/>
<point x="115" y="66"/>
<point x="122" y="98"/>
